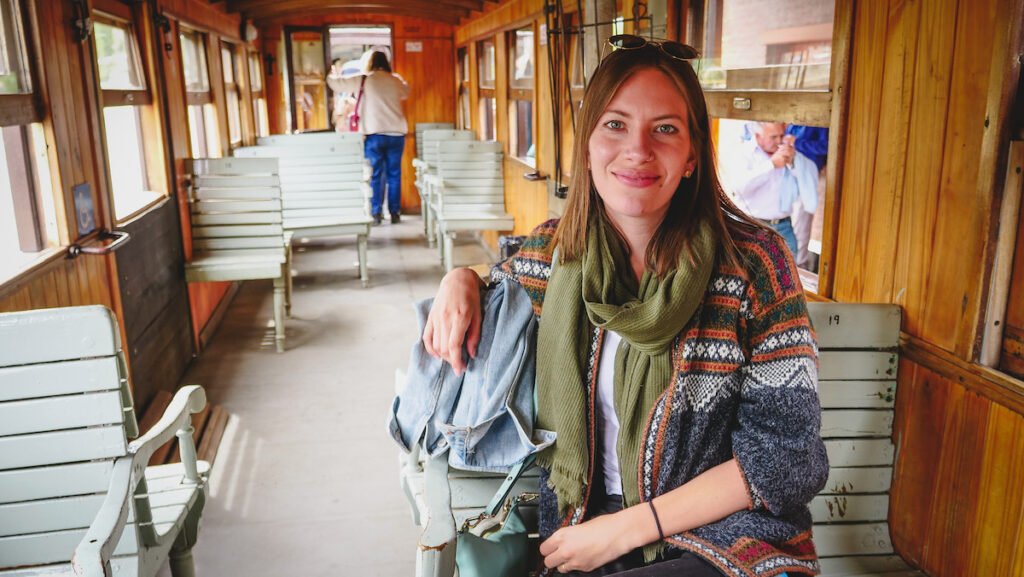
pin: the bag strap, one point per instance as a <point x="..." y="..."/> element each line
<point x="506" y="487"/>
<point x="359" y="98"/>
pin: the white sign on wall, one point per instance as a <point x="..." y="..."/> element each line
<point x="411" y="46"/>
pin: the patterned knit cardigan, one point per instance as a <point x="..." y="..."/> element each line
<point x="744" y="385"/>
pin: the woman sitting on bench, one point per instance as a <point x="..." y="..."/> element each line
<point x="676" y="360"/>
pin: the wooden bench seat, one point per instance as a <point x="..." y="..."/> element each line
<point x="323" y="188"/>
<point x="857" y="385"/>
<point x="468" y="192"/>
<point x="426" y="163"/>
<point x="76" y="497"/>
<point x="237" y="230"/>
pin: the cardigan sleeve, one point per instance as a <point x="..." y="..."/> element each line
<point x="778" y="438"/>
<point x="531" y="266"/>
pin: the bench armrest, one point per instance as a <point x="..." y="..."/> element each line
<point x="91" y="558"/>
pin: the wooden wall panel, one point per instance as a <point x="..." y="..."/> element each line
<point x="957" y="504"/>
<point x="913" y="220"/>
<point x="62" y="283"/>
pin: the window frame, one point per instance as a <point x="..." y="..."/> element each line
<point x="25" y="112"/>
<point x="260" y="117"/>
<point x="463" y="116"/>
<point x="235" y="86"/>
<point x="517" y="94"/>
<point x="823" y="108"/>
<point x="150" y="129"/>
<point x="487" y="92"/>
<point x="200" y="104"/>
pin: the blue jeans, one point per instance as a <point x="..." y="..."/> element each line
<point x="785" y="228"/>
<point x="385" y="155"/>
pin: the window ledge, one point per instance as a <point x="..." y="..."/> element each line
<point x="155" y="199"/>
<point x="527" y="163"/>
<point x="11" y="279"/>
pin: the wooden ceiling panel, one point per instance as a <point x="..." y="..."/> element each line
<point x="448" y="11"/>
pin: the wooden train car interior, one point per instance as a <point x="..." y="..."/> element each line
<point x="183" y="202"/>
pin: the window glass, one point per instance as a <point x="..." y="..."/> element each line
<point x="488" y="110"/>
<point x="229" y="68"/>
<point x="118" y="57"/>
<point x="125" y="157"/>
<point x="255" y="72"/>
<point x="262" y="121"/>
<point x="767" y="44"/>
<point x="524" y="130"/>
<point x="14" y="77"/>
<point x="775" y="172"/>
<point x="521" y="70"/>
<point x="28" y="216"/>
<point x="485" y="63"/>
<point x="193" y="59"/>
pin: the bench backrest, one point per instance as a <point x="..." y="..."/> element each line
<point x="310" y="138"/>
<point x="858" y="360"/>
<point x="236" y="204"/>
<point x="321" y="183"/>
<point x="431" y="138"/>
<point x="65" y="415"/>
<point x="471" y="172"/>
<point x="422" y="127"/>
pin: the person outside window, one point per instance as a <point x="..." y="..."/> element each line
<point x="771" y="176"/>
<point x="676" y="361"/>
<point x="383" y="122"/>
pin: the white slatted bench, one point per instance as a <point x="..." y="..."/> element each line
<point x="425" y="163"/>
<point x="323" y="188"/>
<point x="468" y="192"/>
<point x="422" y="127"/>
<point x="71" y="483"/>
<point x="237" y="231"/>
<point x="857" y="384"/>
<point x="308" y="138"/>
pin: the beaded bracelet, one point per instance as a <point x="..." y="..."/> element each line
<point x="661" y="534"/>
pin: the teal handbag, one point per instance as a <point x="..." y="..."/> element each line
<point x="495" y="543"/>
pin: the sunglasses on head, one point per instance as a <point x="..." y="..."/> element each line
<point x="676" y="50"/>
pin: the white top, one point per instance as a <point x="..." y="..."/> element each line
<point x="380" y="110"/>
<point x="768" y="193"/>
<point x="606" y="408"/>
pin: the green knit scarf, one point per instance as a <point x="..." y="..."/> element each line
<point x="600" y="290"/>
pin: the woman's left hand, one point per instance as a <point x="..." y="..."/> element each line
<point x="589" y="545"/>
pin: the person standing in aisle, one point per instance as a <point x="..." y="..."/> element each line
<point x="379" y="95"/>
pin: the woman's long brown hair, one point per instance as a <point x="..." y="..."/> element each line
<point x="699" y="198"/>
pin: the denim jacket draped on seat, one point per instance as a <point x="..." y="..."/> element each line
<point x="485" y="416"/>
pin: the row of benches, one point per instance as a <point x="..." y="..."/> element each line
<point x="461" y="185"/>
<point x="247" y="209"/>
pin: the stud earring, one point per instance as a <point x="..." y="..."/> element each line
<point x="687" y="174"/>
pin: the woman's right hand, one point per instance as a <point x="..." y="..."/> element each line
<point x="454" y="319"/>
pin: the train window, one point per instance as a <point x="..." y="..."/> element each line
<point x="125" y="96"/>
<point x="259" y="98"/>
<point x="28" y="207"/>
<point x="767" y="45"/>
<point x="229" y="69"/>
<point x="463" y="70"/>
<point x="486" y="79"/>
<point x="766" y="71"/>
<point x="28" y="215"/>
<point x="521" y="93"/>
<point x="202" y="115"/>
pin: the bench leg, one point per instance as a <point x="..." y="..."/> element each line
<point x="449" y="246"/>
<point x="364" y="275"/>
<point x="180" y="557"/>
<point x="430" y="223"/>
<point x="279" y="291"/>
<point x="433" y="563"/>
<point x="288" y="281"/>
